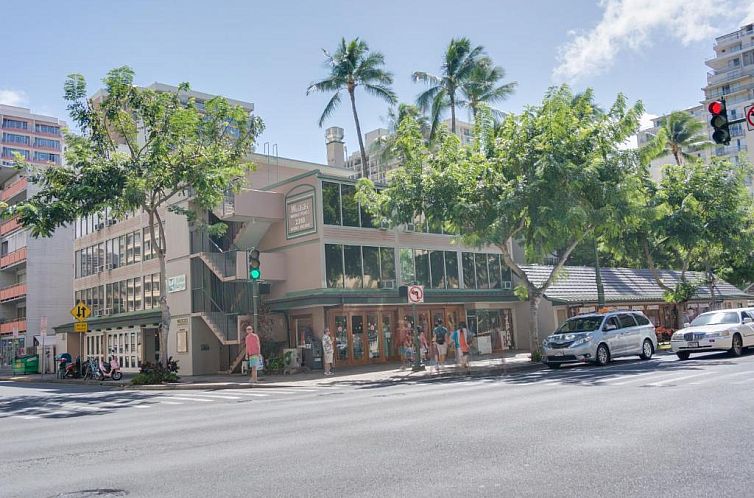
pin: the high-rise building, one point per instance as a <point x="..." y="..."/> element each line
<point x="35" y="273"/>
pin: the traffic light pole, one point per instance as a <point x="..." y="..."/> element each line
<point x="254" y="307"/>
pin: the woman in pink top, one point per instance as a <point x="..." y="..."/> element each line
<point x="253" y="352"/>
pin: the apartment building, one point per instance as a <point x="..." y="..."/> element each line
<point x="35" y="273"/>
<point x="731" y="77"/>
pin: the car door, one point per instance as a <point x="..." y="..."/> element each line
<point x="611" y="335"/>
<point x="747" y="327"/>
<point x="629" y="334"/>
<point x="646" y="330"/>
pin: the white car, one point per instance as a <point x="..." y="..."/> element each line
<point x="724" y="330"/>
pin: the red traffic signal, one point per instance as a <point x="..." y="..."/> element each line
<point x="719" y="122"/>
<point x="716" y="107"/>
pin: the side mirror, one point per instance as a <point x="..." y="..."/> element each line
<point x="686" y="325"/>
<point x="610" y="326"/>
<point x="748" y="320"/>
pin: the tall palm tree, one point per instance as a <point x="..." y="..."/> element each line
<point x="384" y="148"/>
<point x="680" y="133"/>
<point x="459" y="62"/>
<point x="353" y="65"/>
<point x="482" y="86"/>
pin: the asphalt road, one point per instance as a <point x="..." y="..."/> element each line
<point x="656" y="428"/>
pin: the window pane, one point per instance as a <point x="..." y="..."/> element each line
<point x="468" y="270"/>
<point x="422" y="267"/>
<point x="156" y="283"/>
<point x="451" y="269"/>
<point x="482" y="278"/>
<point x="371" y="267"/>
<point x="129" y="248"/>
<point x="387" y="256"/>
<point x="331" y="203"/>
<point x="506" y="272"/>
<point x="352" y="260"/>
<point x="137" y="293"/>
<point x="407" y="266"/>
<point x="367" y="220"/>
<point x="334" y="265"/>
<point x="438" y="269"/>
<point x="137" y="247"/>
<point x="493" y="260"/>
<point x="350" y="206"/>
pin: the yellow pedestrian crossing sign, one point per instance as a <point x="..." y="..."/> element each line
<point x="81" y="311"/>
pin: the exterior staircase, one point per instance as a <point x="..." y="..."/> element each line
<point x="217" y="328"/>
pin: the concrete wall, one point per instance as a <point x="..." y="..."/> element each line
<point x="204" y="350"/>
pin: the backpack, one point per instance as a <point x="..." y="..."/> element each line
<point x="440" y="333"/>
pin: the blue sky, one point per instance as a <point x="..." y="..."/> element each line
<point x="269" y="52"/>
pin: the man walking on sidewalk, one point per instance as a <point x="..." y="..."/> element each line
<point x="328" y="350"/>
<point x="253" y="352"/>
<point x="441" y="336"/>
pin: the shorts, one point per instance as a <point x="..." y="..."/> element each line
<point x="255" y="361"/>
<point x="442" y="349"/>
<point x="328" y="357"/>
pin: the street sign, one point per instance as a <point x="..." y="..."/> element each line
<point x="80" y="327"/>
<point x="749" y="113"/>
<point x="415" y="294"/>
<point x="81" y="311"/>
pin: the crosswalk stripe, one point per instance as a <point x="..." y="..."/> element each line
<point x="257" y="395"/>
<point x="182" y="398"/>
<point x="219" y="396"/>
<point x="630" y="378"/>
<point x="170" y="403"/>
<point x="675" y="379"/>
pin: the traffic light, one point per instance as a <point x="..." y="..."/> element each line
<point x="255" y="272"/>
<point x="719" y="122"/>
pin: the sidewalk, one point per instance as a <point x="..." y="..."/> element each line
<point x="386" y="373"/>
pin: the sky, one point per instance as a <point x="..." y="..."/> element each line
<point x="269" y="52"/>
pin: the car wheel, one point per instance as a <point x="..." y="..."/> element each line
<point x="647" y="350"/>
<point x="602" y="357"/>
<point x="737" y="347"/>
<point x="554" y="366"/>
<point x="683" y="355"/>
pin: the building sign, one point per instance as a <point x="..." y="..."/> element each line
<point x="299" y="215"/>
<point x="181" y="341"/>
<point x="176" y="283"/>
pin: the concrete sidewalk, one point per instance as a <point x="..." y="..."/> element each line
<point x="385" y="373"/>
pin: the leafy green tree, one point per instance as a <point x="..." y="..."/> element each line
<point x="142" y="150"/>
<point x="444" y="92"/>
<point x="353" y="65"/>
<point x="482" y="87"/>
<point x="680" y="135"/>
<point x="546" y="179"/>
<point x="385" y="148"/>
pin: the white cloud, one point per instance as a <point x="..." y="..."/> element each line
<point x="629" y="25"/>
<point x="12" y="97"/>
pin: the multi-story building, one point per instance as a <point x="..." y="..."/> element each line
<point x="732" y="78"/>
<point x="35" y="273"/>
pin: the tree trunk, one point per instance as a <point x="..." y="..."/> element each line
<point x="364" y="168"/>
<point x="534" y="342"/>
<point x="159" y="246"/>
<point x="452" y="114"/>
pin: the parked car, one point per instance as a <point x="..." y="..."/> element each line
<point x="600" y="337"/>
<point x="724" y="330"/>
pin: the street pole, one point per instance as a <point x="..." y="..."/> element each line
<point x="254" y="297"/>
<point x="418" y="367"/>
<point x="598" y="277"/>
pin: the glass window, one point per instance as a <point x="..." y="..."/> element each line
<point x="626" y="320"/>
<point x="367" y="220"/>
<point x="408" y="275"/>
<point x="422" y="267"/>
<point x="130" y="297"/>
<point x="129" y="248"/>
<point x="353" y="267"/>
<point x="507" y="275"/>
<point x="493" y="262"/>
<point x="77" y="264"/>
<point x="350" y="206"/>
<point x="482" y="276"/>
<point x="123" y="296"/>
<point x="387" y="259"/>
<point x="331" y="203"/>
<point x="147" y="292"/>
<point x="641" y="319"/>
<point x="137" y="247"/>
<point x="100" y="256"/>
<point x="137" y="293"/>
<point x="334" y="265"/>
<point x="371" y="267"/>
<point x="122" y="250"/>
<point x="469" y="270"/>
<point x="437" y="263"/>
<point x="451" y="269"/>
<point x="156" y="292"/>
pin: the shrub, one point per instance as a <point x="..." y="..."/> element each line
<point x="155" y="373"/>
<point x="536" y="356"/>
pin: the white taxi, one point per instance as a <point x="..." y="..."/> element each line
<point x="724" y="330"/>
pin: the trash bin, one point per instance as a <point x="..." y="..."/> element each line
<point x="28" y="364"/>
<point x="312" y="356"/>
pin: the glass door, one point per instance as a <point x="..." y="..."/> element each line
<point x="341" y="339"/>
<point x="389" y="340"/>
<point x="357" y="338"/>
<point x="373" y="324"/>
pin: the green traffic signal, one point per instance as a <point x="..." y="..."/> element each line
<point x="255" y="274"/>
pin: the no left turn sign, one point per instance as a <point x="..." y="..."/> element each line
<point x="749" y="111"/>
<point x="415" y="294"/>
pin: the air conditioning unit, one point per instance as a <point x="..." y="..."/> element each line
<point x="384" y="225"/>
<point x="507" y="285"/>
<point x="109" y="266"/>
<point x="409" y="227"/>
<point x="387" y="284"/>
<point x="100" y="269"/>
<point x="107" y="312"/>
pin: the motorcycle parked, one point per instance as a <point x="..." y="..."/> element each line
<point x="68" y="368"/>
<point x="110" y="370"/>
<point x="90" y="368"/>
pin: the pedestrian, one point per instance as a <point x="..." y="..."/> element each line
<point x="408" y="350"/>
<point x="253" y="352"/>
<point x="433" y="355"/>
<point x="461" y="339"/>
<point x="328" y="350"/>
<point x="423" y="345"/>
<point x="440" y="334"/>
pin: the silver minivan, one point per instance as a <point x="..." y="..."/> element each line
<point x="600" y="337"/>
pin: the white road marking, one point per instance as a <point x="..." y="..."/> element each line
<point x="219" y="396"/>
<point x="141" y="406"/>
<point x="170" y="403"/>
<point x="631" y="378"/>
<point x="258" y="395"/>
<point x="675" y="379"/>
<point x="183" y="398"/>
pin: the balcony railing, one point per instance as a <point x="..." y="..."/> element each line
<point x="730" y="150"/>
<point x="9" y="226"/>
<point x="14" y="189"/>
<point x="9" y="327"/>
<point x="12" y="292"/>
<point x="13" y="258"/>
<point x="730" y="74"/>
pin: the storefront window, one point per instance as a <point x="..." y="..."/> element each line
<point x="469" y="270"/>
<point x="451" y="269"/>
<point x="482" y="276"/>
<point x="331" y="203"/>
<point x="341" y="337"/>
<point x="353" y="267"/>
<point x="371" y="267"/>
<point x="493" y="262"/>
<point x="334" y="265"/>
<point x="387" y="259"/>
<point x="422" y="267"/>
<point x="357" y="333"/>
<point x="350" y="206"/>
<point x="437" y="264"/>
<point x="408" y="275"/>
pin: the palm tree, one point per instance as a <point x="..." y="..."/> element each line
<point x="384" y="148"/>
<point x="679" y="134"/>
<point x="482" y="86"/>
<point x="350" y="66"/>
<point x="459" y="62"/>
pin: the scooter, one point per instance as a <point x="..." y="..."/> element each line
<point x="110" y="370"/>
<point x="67" y="368"/>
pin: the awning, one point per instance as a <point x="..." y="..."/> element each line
<point x="50" y="340"/>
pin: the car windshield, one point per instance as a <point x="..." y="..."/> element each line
<point x="580" y="324"/>
<point x="715" y="318"/>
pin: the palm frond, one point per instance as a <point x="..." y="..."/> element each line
<point x="382" y="92"/>
<point x="425" y="99"/>
<point x="330" y="108"/>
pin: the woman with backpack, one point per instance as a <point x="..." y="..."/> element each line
<point x="440" y="336"/>
<point x="461" y="338"/>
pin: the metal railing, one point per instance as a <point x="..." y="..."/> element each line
<point x="223" y="261"/>
<point x="226" y="323"/>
